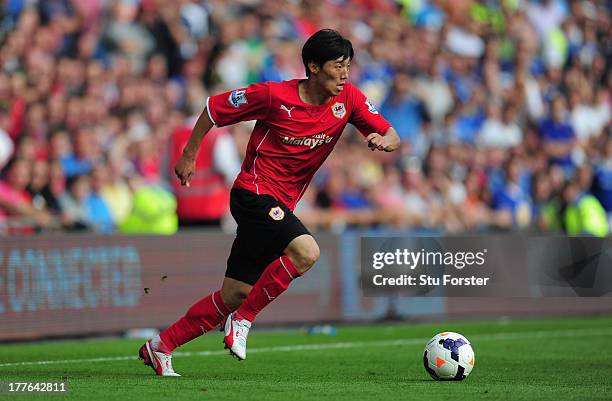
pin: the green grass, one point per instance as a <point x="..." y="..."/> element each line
<point x="561" y="359"/>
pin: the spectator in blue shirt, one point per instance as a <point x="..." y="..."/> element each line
<point x="403" y="110"/>
<point x="98" y="211"/>
<point x="558" y="136"/>
<point x="62" y="150"/>
<point x="602" y="180"/>
<point x="512" y="204"/>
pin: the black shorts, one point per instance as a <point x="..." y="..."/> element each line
<point x="265" y="228"/>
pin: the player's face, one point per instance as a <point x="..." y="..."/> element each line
<point x="334" y="75"/>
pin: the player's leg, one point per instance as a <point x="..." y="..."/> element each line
<point x="303" y="252"/>
<point x="299" y="256"/>
<point x="210" y="311"/>
<point x="234" y="292"/>
<point x="201" y="317"/>
<point x="268" y="232"/>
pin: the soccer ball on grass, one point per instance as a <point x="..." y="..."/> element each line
<point x="448" y="356"/>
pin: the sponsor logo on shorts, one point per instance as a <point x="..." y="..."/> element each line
<point x="277" y="213"/>
<point x="338" y="109"/>
<point x="237" y="98"/>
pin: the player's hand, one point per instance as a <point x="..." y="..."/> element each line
<point x="387" y="143"/>
<point x="184" y="169"/>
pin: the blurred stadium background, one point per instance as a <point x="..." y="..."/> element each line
<point x="503" y="108"/>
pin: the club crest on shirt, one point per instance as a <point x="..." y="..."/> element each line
<point x="338" y="109"/>
<point x="277" y="213"/>
<point x="371" y="107"/>
<point x="237" y="98"/>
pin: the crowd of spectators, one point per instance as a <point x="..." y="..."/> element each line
<point x="503" y="108"/>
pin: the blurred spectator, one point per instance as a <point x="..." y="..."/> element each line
<point x="547" y="205"/>
<point x="206" y="201"/>
<point x="475" y="212"/>
<point x="153" y="209"/>
<point x="500" y="129"/>
<point x="468" y="120"/>
<point x="75" y="214"/>
<point x="62" y="150"/>
<point x="116" y="192"/>
<point x="512" y="203"/>
<point x="98" y="210"/>
<point x="545" y="15"/>
<point x="558" y="136"/>
<point x="82" y="206"/>
<point x="15" y="201"/>
<point x="403" y="110"/>
<point x="126" y="36"/>
<point x="602" y="183"/>
<point x="40" y="187"/>
<point x="583" y="213"/>
<point x="435" y="92"/>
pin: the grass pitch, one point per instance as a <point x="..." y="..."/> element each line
<point x="561" y="359"/>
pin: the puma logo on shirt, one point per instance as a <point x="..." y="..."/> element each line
<point x="283" y="107"/>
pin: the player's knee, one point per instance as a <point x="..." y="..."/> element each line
<point x="303" y="251"/>
<point x="233" y="299"/>
<point x="313" y="254"/>
<point x="306" y="257"/>
<point x="234" y="294"/>
<point x="238" y="297"/>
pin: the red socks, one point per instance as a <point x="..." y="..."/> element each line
<point x="273" y="282"/>
<point x="209" y="312"/>
<point x="204" y="315"/>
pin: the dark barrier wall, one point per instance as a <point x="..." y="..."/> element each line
<point x="72" y="285"/>
<point x="60" y="285"/>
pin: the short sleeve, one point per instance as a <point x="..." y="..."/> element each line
<point x="243" y="104"/>
<point x="364" y="115"/>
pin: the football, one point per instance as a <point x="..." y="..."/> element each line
<point x="448" y="356"/>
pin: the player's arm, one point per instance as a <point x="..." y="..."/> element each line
<point x="378" y="133"/>
<point x="388" y="142"/>
<point x="244" y="104"/>
<point x="185" y="166"/>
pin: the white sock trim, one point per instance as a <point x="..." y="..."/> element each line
<point x="285" y="267"/>
<point x="155" y="341"/>
<point x="214" y="303"/>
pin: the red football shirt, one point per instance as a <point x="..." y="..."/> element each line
<point x="291" y="139"/>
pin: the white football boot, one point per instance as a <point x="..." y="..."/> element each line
<point x="161" y="363"/>
<point x="236" y="333"/>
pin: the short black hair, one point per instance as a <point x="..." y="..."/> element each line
<point x="325" y="45"/>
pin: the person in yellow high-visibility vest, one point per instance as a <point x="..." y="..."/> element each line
<point x="584" y="214"/>
<point x="153" y="210"/>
